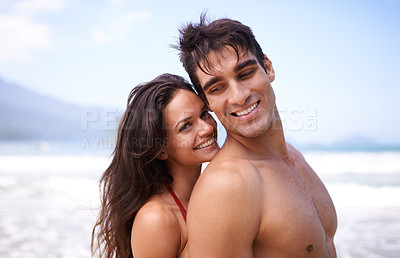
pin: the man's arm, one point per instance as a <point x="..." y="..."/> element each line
<point x="224" y="215"/>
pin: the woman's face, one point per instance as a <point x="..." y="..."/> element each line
<point x="191" y="130"/>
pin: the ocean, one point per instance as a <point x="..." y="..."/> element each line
<point x="49" y="198"/>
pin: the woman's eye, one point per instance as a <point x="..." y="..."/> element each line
<point x="184" y="127"/>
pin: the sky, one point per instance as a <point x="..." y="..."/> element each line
<point x="336" y="62"/>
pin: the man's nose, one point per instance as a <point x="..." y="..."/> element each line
<point x="238" y="93"/>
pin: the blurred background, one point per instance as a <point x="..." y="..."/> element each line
<point x="67" y="67"/>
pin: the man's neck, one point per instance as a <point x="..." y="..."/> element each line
<point x="271" y="143"/>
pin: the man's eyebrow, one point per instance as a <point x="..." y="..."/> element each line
<point x="236" y="69"/>
<point x="211" y="82"/>
<point x="182" y="121"/>
<point x="244" y="64"/>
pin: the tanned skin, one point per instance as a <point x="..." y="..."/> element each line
<point x="159" y="229"/>
<point x="258" y="197"/>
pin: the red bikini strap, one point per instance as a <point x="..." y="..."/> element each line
<point x="183" y="211"/>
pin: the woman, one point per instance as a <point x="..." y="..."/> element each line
<point x="164" y="136"/>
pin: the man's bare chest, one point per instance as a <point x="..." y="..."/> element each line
<point x="291" y="220"/>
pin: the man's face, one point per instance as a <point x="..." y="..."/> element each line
<point x="239" y="92"/>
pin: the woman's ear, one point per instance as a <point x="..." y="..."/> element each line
<point x="270" y="68"/>
<point x="163" y="155"/>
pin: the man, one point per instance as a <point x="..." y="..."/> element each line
<point x="258" y="197"/>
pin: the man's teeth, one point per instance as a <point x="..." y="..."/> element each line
<point x="206" y="144"/>
<point x="245" y="112"/>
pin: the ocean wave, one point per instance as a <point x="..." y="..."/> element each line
<point x="71" y="165"/>
<point x="354" y="162"/>
<point x="370" y="179"/>
<point x="357" y="195"/>
<point x="321" y="162"/>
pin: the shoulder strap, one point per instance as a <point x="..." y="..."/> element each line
<point x="183" y="211"/>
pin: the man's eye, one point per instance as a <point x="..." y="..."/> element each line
<point x="246" y="74"/>
<point x="216" y="89"/>
<point x="184" y="127"/>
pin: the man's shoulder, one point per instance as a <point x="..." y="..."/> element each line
<point x="228" y="159"/>
<point x="225" y="175"/>
<point x="227" y="166"/>
<point x="227" y="187"/>
<point x="294" y="153"/>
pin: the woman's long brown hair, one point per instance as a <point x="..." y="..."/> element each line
<point x="135" y="173"/>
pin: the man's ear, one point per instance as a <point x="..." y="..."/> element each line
<point x="163" y="155"/>
<point x="270" y="68"/>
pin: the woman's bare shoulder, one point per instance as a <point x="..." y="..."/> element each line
<point x="156" y="212"/>
<point x="155" y="230"/>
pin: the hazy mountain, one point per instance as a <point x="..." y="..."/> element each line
<point x="26" y="115"/>
<point x="356" y="140"/>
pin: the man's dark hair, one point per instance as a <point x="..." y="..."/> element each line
<point x="196" y="41"/>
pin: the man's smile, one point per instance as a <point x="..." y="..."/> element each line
<point x="246" y="111"/>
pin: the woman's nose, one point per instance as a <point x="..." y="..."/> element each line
<point x="206" y="127"/>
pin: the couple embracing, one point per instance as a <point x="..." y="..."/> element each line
<point x="258" y="197"/>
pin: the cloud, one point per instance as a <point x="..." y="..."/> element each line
<point x="36" y="6"/>
<point x="121" y="2"/>
<point x="121" y="25"/>
<point x="117" y="2"/>
<point x="21" y="34"/>
<point x="117" y="27"/>
<point x="100" y="37"/>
